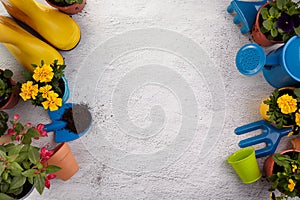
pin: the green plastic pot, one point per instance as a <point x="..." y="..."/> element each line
<point x="245" y="165"/>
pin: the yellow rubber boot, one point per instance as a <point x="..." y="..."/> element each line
<point x="59" y="29"/>
<point x="26" y="48"/>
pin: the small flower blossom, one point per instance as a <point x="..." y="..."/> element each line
<point x="291" y="185"/>
<point x="287" y="104"/>
<point x="45" y="154"/>
<point x="53" y="102"/>
<point x="16" y="117"/>
<point x="294" y="168"/>
<point x="45" y="90"/>
<point x="41" y="129"/>
<point x="47" y="180"/>
<point x="28" y="90"/>
<point x="43" y="74"/>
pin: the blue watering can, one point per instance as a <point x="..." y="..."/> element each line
<point x="281" y="67"/>
<point x="270" y="135"/>
<point x="246" y="12"/>
<point x="59" y="126"/>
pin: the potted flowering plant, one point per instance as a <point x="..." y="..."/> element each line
<point x="45" y="86"/>
<point x="282" y="108"/>
<point x="8" y="91"/>
<point x="68" y="6"/>
<point x="276" y="22"/>
<point x="283" y="171"/>
<point x="22" y="164"/>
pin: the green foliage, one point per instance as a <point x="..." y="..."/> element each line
<point x="6" y="88"/>
<point x="67" y="2"/>
<point x="276" y="116"/>
<point x="270" y="15"/>
<point x="20" y="163"/>
<point x="287" y="166"/>
<point x="3" y="122"/>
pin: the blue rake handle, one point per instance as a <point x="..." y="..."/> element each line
<point x="270" y="136"/>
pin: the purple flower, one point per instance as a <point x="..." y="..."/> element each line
<point x="287" y="22"/>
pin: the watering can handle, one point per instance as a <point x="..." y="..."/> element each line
<point x="272" y="60"/>
<point x="56" y="125"/>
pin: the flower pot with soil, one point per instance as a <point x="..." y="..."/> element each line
<point x="283" y="171"/>
<point x="46" y="86"/>
<point x="22" y="164"/>
<point x="63" y="158"/>
<point x="9" y="92"/>
<point x="70" y="7"/>
<point x="276" y="22"/>
<point x="282" y="108"/>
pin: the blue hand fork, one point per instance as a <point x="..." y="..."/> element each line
<point x="270" y="136"/>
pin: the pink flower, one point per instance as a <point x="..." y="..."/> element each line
<point x="11" y="132"/>
<point x="45" y="154"/>
<point x="41" y="129"/>
<point x="47" y="180"/>
<point x="28" y="124"/>
<point x="16" y="117"/>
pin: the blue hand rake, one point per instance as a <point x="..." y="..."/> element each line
<point x="270" y="135"/>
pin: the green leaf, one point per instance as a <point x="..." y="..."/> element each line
<point x="280" y="4"/>
<point x="22" y="156"/>
<point x="268" y="24"/>
<point x="15" y="166"/>
<point x="264" y="13"/>
<point x="39" y="183"/>
<point x="28" y="74"/>
<point x="274" y="32"/>
<point x="17" y="182"/>
<point x="26" y="139"/>
<point x="33" y="155"/>
<point x="5" y="197"/>
<point x="52" y="169"/>
<point x="7" y="73"/>
<point x="285" y="37"/>
<point x="29" y="173"/>
<point x="2" y="168"/>
<point x="297" y="30"/>
<point x="14" y="150"/>
<point x="33" y="133"/>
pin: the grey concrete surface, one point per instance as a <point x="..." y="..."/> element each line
<point x="160" y="80"/>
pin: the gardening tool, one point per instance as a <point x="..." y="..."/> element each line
<point x="270" y="136"/>
<point x="57" y="28"/>
<point x="245" y="13"/>
<point x="59" y="126"/>
<point x="26" y="48"/>
<point x="280" y="67"/>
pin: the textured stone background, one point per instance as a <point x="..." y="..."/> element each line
<point x="164" y="110"/>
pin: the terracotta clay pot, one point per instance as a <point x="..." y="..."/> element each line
<point x="71" y="9"/>
<point x="14" y="97"/>
<point x="258" y="36"/>
<point x="64" y="158"/>
<point x="269" y="162"/>
<point x="296" y="143"/>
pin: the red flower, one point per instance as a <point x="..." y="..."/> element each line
<point x="45" y="154"/>
<point x="11" y="132"/>
<point x="16" y="117"/>
<point x="47" y="180"/>
<point x="41" y="129"/>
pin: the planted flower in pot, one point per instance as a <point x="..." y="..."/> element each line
<point x="282" y="108"/>
<point x="46" y="86"/>
<point x="68" y="6"/>
<point x="276" y="22"/>
<point x="22" y="164"/>
<point x="8" y="91"/>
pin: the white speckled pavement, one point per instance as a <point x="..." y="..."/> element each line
<point x="160" y="80"/>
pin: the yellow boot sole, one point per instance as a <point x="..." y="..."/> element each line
<point x="26" y="48"/>
<point x="59" y="29"/>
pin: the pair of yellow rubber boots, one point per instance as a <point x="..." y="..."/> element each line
<point x="58" y="29"/>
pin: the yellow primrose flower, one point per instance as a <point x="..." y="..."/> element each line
<point x="52" y="102"/>
<point x="28" y="90"/>
<point x="287" y="104"/>
<point x="291" y="185"/>
<point x="294" y="168"/>
<point x="45" y="90"/>
<point x="43" y="74"/>
<point x="290" y="133"/>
